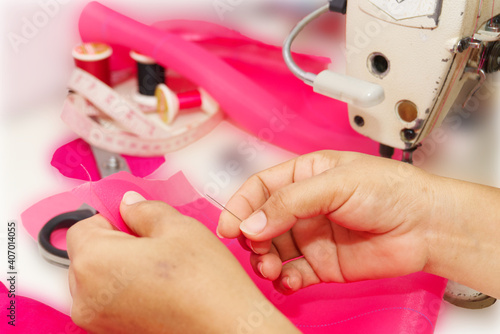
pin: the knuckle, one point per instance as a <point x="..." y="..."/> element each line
<point x="73" y="232"/>
<point x="88" y="259"/>
<point x="152" y="210"/>
<point x="82" y="315"/>
<point x="278" y="201"/>
<point x="77" y="235"/>
<point x="325" y="154"/>
<point x="80" y="266"/>
<point x="256" y="180"/>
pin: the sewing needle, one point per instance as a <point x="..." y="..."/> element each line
<point x="222" y="206"/>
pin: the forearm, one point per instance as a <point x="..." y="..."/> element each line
<point x="464" y="235"/>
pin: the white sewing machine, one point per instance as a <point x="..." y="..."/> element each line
<point x="407" y="62"/>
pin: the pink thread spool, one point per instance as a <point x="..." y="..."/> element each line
<point x="170" y="103"/>
<point x="94" y="58"/>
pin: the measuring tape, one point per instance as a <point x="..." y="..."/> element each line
<point x="103" y="118"/>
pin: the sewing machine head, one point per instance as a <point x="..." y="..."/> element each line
<point x="407" y="62"/>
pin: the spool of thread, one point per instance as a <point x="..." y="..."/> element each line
<point x="149" y="74"/>
<point x="169" y="103"/>
<point x="94" y="59"/>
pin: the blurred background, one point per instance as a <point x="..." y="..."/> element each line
<point x="39" y="36"/>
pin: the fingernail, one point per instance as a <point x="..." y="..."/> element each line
<point x="218" y="234"/>
<point x="286" y="283"/>
<point x="255" y="224"/>
<point x="249" y="244"/>
<point x="260" y="267"/>
<point x="132" y="197"/>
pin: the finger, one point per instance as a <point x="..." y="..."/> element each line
<point x="82" y="233"/>
<point x="147" y="218"/>
<point x="318" y="195"/>
<point x="267" y="266"/>
<point x="259" y="247"/>
<point x="296" y="275"/>
<point x="229" y="221"/>
<point x="257" y="189"/>
<point x="319" y="247"/>
<point x="244" y="243"/>
<point x="286" y="247"/>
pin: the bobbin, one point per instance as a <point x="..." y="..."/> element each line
<point x="149" y="76"/>
<point x="94" y="59"/>
<point x="170" y="103"/>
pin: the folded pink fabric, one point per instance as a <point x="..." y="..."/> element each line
<point x="33" y="317"/>
<point x="407" y="304"/>
<point x="69" y="159"/>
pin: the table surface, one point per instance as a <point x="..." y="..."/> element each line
<point x="28" y="142"/>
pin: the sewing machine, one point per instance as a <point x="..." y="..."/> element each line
<point x="407" y="62"/>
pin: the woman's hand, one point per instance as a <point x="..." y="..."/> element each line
<point x="337" y="216"/>
<point x="176" y="277"/>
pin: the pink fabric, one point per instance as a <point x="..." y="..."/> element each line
<point x="264" y="64"/>
<point x="34" y="317"/>
<point x="248" y="79"/>
<point x="407" y="304"/>
<point x="105" y="196"/>
<point x="69" y="158"/>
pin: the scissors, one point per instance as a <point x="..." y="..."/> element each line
<point x="107" y="163"/>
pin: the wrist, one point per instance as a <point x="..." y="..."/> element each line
<point x="463" y="234"/>
<point x="264" y="318"/>
<point x="440" y="239"/>
<point x="249" y="311"/>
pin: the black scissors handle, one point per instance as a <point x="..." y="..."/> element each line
<point x="66" y="220"/>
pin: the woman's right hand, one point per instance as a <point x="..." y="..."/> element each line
<point x="337" y="216"/>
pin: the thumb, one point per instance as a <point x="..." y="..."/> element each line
<point x="318" y="195"/>
<point x="146" y="218"/>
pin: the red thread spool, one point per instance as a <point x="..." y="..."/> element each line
<point x="170" y="103"/>
<point x="189" y="100"/>
<point x="94" y="59"/>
